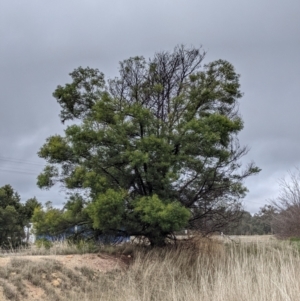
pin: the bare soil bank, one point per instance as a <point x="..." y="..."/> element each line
<point x="54" y="277"/>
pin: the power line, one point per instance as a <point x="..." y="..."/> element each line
<point x="19" y="171"/>
<point x="14" y="160"/>
<point x="19" y="162"/>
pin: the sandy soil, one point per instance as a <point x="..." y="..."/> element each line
<point x="96" y="262"/>
<point x="99" y="263"/>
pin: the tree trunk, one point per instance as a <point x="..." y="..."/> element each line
<point x="157" y="240"/>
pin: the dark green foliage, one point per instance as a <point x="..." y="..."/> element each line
<point x="262" y="221"/>
<point x="43" y="242"/>
<point x="258" y="224"/>
<point x="14" y="216"/>
<point x="243" y="227"/>
<point x="156" y="148"/>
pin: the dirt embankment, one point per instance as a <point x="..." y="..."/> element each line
<point x="54" y="277"/>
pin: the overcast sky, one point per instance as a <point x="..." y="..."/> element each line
<point x="41" y="42"/>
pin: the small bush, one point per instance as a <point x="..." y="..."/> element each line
<point x="84" y="246"/>
<point x="295" y="239"/>
<point x="43" y="242"/>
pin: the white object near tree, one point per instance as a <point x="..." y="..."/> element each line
<point x="29" y="236"/>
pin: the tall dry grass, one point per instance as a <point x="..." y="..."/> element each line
<point x="211" y="271"/>
<point x="199" y="270"/>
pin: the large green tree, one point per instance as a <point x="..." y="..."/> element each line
<point x="14" y="216"/>
<point x="155" y="148"/>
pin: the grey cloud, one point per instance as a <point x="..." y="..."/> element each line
<point x="41" y="42"/>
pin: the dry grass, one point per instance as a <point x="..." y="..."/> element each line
<point x="215" y="272"/>
<point x="56" y="248"/>
<point x="201" y="269"/>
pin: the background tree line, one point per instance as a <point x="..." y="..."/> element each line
<point x="260" y="223"/>
<point x="281" y="217"/>
<point x="14" y="216"/>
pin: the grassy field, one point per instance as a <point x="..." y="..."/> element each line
<point x="231" y="269"/>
